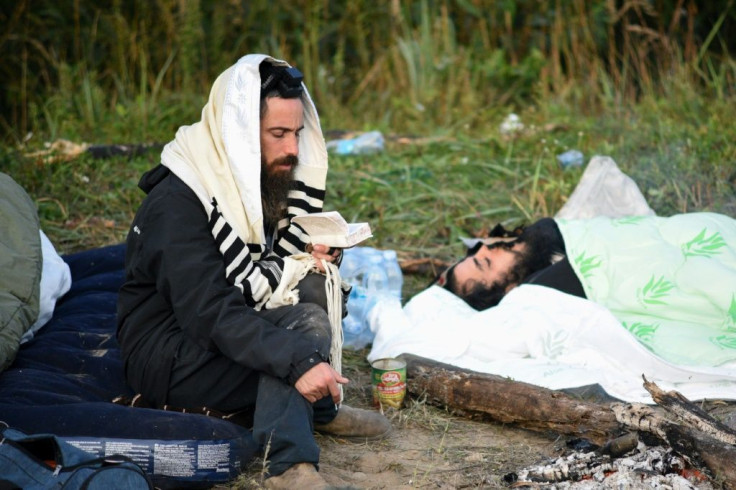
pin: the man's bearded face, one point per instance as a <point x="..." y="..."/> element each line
<point x="282" y="121"/>
<point x="276" y="179"/>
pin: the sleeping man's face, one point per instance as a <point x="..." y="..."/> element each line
<point x="487" y="268"/>
<point x="488" y="272"/>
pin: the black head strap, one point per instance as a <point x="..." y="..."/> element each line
<point x="285" y="80"/>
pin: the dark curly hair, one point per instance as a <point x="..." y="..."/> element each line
<point x="542" y="242"/>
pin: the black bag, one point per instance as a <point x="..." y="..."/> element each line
<point x="42" y="461"/>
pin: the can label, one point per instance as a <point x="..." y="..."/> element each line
<point x="388" y="380"/>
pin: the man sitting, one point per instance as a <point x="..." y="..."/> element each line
<point x="207" y="315"/>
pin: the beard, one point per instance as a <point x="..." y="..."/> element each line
<point x="275" y="185"/>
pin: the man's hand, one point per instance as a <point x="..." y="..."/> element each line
<point x="320" y="381"/>
<point x="319" y="251"/>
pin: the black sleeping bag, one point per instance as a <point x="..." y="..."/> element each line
<point x="63" y="381"/>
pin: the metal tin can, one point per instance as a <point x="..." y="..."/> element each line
<point x="388" y="379"/>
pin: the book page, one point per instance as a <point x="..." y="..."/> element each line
<point x="330" y="222"/>
<point x="330" y="228"/>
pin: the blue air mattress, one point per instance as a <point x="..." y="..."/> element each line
<point x="63" y="382"/>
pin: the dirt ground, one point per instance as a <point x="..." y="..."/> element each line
<point x="431" y="448"/>
<point x="428" y="448"/>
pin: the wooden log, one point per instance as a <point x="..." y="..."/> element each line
<point x="704" y="451"/>
<point x="108" y="151"/>
<point x="699" y="449"/>
<point x="509" y="402"/>
<point x="706" y="442"/>
<point x="64" y="150"/>
<point x="540" y="409"/>
<point x="620" y="446"/>
<point x="690" y="414"/>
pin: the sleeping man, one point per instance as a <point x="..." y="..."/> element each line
<point x="663" y="278"/>
<point x="533" y="254"/>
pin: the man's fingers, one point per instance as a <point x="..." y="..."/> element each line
<point x="320" y="265"/>
<point x="335" y="392"/>
<point x="319" y="248"/>
<point x="339" y="379"/>
<point x="321" y="381"/>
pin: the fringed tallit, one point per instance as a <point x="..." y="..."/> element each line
<point x="219" y="159"/>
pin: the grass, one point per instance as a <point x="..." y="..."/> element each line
<point x="135" y="70"/>
<point x="422" y="196"/>
<point x="424" y="192"/>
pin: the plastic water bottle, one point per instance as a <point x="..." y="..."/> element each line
<point x="356" y="330"/>
<point x="375" y="277"/>
<point x="349" y="267"/>
<point x="354" y="323"/>
<point x="571" y="158"/>
<point x="370" y="142"/>
<point x="352" y="270"/>
<point x="393" y="272"/>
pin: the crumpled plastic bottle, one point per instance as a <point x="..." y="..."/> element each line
<point x="353" y="323"/>
<point x="571" y="158"/>
<point x="370" y="142"/>
<point x="375" y="276"/>
<point x="393" y="273"/>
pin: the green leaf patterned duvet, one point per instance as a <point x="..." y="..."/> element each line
<point x="670" y="281"/>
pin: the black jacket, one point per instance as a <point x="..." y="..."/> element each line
<point x="175" y="287"/>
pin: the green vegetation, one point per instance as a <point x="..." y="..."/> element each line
<point x="651" y="84"/>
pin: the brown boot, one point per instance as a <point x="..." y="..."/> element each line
<point x="301" y="475"/>
<point x="356" y="424"/>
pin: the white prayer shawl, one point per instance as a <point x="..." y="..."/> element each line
<point x="219" y="158"/>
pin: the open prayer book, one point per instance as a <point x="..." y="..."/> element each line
<point x="331" y="229"/>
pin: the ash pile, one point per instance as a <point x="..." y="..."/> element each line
<point x="626" y="462"/>
<point x="675" y="445"/>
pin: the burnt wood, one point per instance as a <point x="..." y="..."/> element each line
<point x="689" y="413"/>
<point x="704" y="440"/>
<point x="697" y="437"/>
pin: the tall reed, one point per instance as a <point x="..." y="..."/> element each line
<point x="416" y="65"/>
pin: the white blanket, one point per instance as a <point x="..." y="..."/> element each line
<point x="548" y="338"/>
<point x="541" y="336"/>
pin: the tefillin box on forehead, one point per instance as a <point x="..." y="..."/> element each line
<point x="285" y="80"/>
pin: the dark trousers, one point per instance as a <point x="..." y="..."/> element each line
<point x="283" y="420"/>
